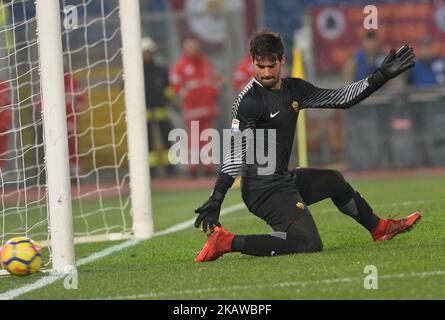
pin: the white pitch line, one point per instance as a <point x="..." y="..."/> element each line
<point x="52" y="277"/>
<point x="189" y="223"/>
<point x="271" y="285"/>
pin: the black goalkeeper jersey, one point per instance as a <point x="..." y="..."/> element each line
<point x="260" y="108"/>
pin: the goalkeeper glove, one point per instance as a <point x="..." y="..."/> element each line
<point x="394" y="64"/>
<point x="208" y="213"/>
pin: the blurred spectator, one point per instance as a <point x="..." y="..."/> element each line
<point x="74" y="105"/>
<point x="429" y="68"/>
<point x="5" y="120"/>
<point x="158" y="119"/>
<point x="244" y="73"/>
<point x="195" y="83"/>
<point x="366" y="60"/>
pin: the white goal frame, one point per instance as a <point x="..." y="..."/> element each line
<point x="60" y="216"/>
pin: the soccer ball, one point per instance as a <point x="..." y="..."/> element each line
<point x="21" y="256"/>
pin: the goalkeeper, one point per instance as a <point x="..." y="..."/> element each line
<point x="282" y="198"/>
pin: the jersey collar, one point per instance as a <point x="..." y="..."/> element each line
<point x="257" y="82"/>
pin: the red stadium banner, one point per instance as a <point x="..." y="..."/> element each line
<point x="337" y="30"/>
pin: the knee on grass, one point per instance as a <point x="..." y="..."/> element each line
<point x="307" y="245"/>
<point x="303" y="236"/>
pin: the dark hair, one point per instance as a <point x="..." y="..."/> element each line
<point x="266" y="44"/>
<point x="371" y="34"/>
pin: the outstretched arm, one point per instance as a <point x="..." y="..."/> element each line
<point x="245" y="113"/>
<point x="394" y="64"/>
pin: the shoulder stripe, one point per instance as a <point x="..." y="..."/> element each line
<point x="240" y="96"/>
<point x="234" y="159"/>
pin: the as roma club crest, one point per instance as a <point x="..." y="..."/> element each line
<point x="295" y="106"/>
<point x="300" y="205"/>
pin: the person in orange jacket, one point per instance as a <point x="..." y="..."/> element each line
<point x="5" y="120"/>
<point x="74" y="104"/>
<point x="193" y="80"/>
<point x="244" y="73"/>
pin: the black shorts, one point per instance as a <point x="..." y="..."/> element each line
<point x="282" y="207"/>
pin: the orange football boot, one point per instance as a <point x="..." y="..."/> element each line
<point x="389" y="228"/>
<point x="218" y="243"/>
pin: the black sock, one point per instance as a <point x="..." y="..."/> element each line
<point x="238" y="243"/>
<point x="266" y="245"/>
<point x="301" y="236"/>
<point x="353" y="204"/>
<point x="366" y="216"/>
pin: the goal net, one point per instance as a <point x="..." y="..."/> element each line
<point x="96" y="123"/>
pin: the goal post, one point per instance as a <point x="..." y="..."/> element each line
<point x="72" y="111"/>
<point x="136" y="115"/>
<point x="55" y="134"/>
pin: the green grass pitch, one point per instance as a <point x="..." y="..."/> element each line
<point x="411" y="266"/>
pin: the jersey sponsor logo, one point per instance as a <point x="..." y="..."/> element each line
<point x="273" y="115"/>
<point x="300" y="205"/>
<point x="235" y="125"/>
<point x="295" y="106"/>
